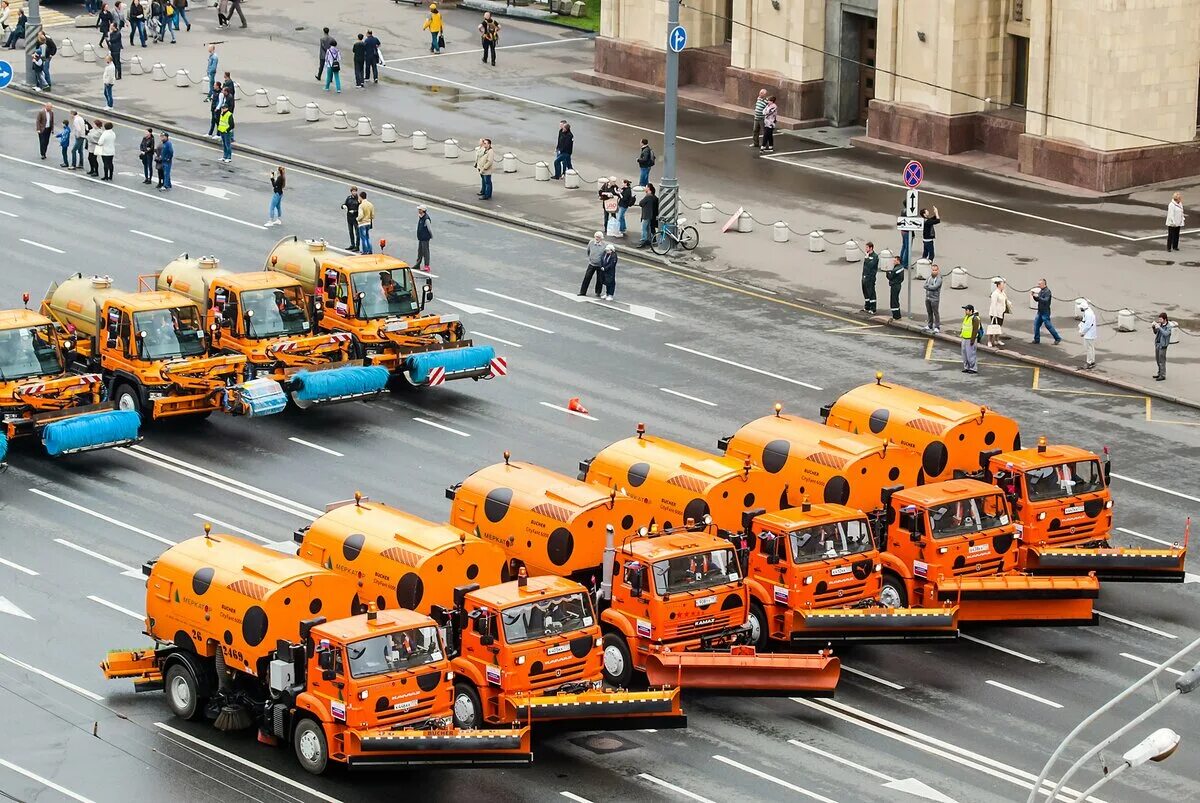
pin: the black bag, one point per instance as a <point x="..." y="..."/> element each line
<point x="336" y="65"/>
<point x="441" y="42"/>
<point x="652" y="160"/>
<point x="977" y="327"/>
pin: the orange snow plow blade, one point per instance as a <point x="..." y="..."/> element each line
<point x="1117" y="564"/>
<point x="1017" y="599"/>
<point x="878" y="624"/>
<point x="500" y="747"/>
<point x="620" y="710"/>
<point x="745" y="670"/>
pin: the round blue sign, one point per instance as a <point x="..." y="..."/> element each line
<point x="677" y="39"/>
<point x="6" y="74"/>
<point x="914" y="174"/>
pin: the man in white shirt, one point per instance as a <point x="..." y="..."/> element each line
<point x="79" y="135"/>
<point x="1088" y="331"/>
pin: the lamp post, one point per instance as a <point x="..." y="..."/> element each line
<point x="668" y="197"/>
<point x="1158" y="746"/>
<point x="33" y="26"/>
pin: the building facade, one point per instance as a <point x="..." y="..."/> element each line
<point x="1096" y="93"/>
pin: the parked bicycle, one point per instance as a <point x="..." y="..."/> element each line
<point x="670" y="238"/>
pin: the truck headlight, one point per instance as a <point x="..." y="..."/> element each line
<point x="599" y="642"/>
<point x="1108" y="505"/>
<point x="362" y="695"/>
<point x="1042" y="516"/>
<point x="520" y="659"/>
<point x="449" y="676"/>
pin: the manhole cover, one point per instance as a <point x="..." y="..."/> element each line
<point x="1190" y="264"/>
<point x="1024" y="260"/>
<point x="601" y="743"/>
<point x="1160" y="261"/>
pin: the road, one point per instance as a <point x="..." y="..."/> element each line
<point x="971" y="720"/>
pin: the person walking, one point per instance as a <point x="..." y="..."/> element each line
<point x="970" y="334"/>
<point x="146" y="154"/>
<point x="1088" y="330"/>
<point x="104" y="22"/>
<point x="164" y="157"/>
<point x="563" y="149"/>
<point x="333" y="66"/>
<point x="623" y="203"/>
<point x="49" y="51"/>
<point x="223" y="13"/>
<point x="649" y="207"/>
<point x="79" y="132"/>
<point x="433" y="24"/>
<point x="366" y="219"/>
<point x="424" y="235"/>
<point x="106" y="146"/>
<point x="933" y="300"/>
<point x="760" y="107"/>
<point x="1174" y="221"/>
<point x="595" y="256"/>
<point x="44" y="125"/>
<point x="137" y="22"/>
<point x="158" y="10"/>
<point x="998" y="307"/>
<point x="235" y="7"/>
<point x="1042" y="295"/>
<point x="895" y="277"/>
<point x="1163" y="328"/>
<point x="351" y="207"/>
<point x="109" y="78"/>
<point x="64" y="141"/>
<point x="489" y="35"/>
<point x="210" y="69"/>
<point x="216" y="104"/>
<point x="484" y="163"/>
<point x="180" y="15"/>
<point x="928" y="234"/>
<point x="323" y="48"/>
<point x="119" y="15"/>
<point x="93" y="145"/>
<point x="609" y="194"/>
<point x="275" y="210"/>
<point x="870" y="271"/>
<point x="115" y="45"/>
<point x="645" y="161"/>
<point x="358" y="52"/>
<point x="373" y="56"/>
<point x="608" y="268"/>
<point x="770" y="120"/>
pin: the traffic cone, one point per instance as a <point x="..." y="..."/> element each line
<point x="574" y="406"/>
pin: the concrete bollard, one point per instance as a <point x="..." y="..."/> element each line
<point x="958" y="279"/>
<point x="283" y="105"/>
<point x="571" y="179"/>
<point x="135" y="66"/>
<point x="89" y="53"/>
<point x="541" y="172"/>
<point x="312" y="112"/>
<point x="885" y="258"/>
<point x="66" y="46"/>
<point x="745" y="223"/>
<point x="708" y="213"/>
<point x="420" y="140"/>
<point x="364" y="127"/>
<point x="1126" y="320"/>
<point x="509" y="161"/>
<point x="261" y="100"/>
<point x="389" y="133"/>
<point x="921" y="270"/>
<point x="852" y="253"/>
<point x="816" y="242"/>
<point x="781" y="232"/>
<point x="182" y="79"/>
<point x="159" y="71"/>
<point x="450" y="149"/>
<point x="339" y="120"/>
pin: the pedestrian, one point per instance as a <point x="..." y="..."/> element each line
<point x="595" y="256"/>
<point x="359" y="52"/>
<point x="623" y="204"/>
<point x="998" y="307"/>
<point x="109" y="78"/>
<point x="928" y="234"/>
<point x="64" y="141"/>
<point x="180" y="15"/>
<point x="366" y="219"/>
<point x="970" y="334"/>
<point x="1088" y="330"/>
<point x="137" y="22"/>
<point x="609" y="194"/>
<point x="1163" y="329"/>
<point x="649" y="206"/>
<point x="1174" y="221"/>
<point x="230" y="87"/>
<point x="374" y="58"/>
<point x="115" y="44"/>
<point x="119" y="15"/>
<point x="216" y="102"/>
<point x="645" y="161"/>
<point x="36" y="65"/>
<point x="895" y="277"/>
<point x="608" y="267"/>
<point x="93" y="140"/>
<point x="5" y="17"/>
<point x="49" y="51"/>
<point x="1042" y="295"/>
<point x="433" y="24"/>
<point x="162" y="26"/>
<point x="44" y="125"/>
<point x="235" y="7"/>
<point x="79" y="131"/>
<point x="489" y="34"/>
<point x="164" y="157"/>
<point x="870" y="270"/>
<point x="351" y="207"/>
<point x="484" y="163"/>
<point x="223" y="13"/>
<point x="333" y="66"/>
<point x="424" y="235"/>
<point x="18" y="31"/>
<point x="210" y="69"/>
<point x="275" y="210"/>
<point x="106" y="146"/>
<point x="146" y="154"/>
<point x="563" y="149"/>
<point x="323" y="48"/>
<point x="933" y="300"/>
<point x="770" y="120"/>
<point x="760" y="107"/>
<point x="104" y="22"/>
<point x="225" y="126"/>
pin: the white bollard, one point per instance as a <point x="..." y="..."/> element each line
<point x="420" y="140"/>
<point x="450" y="149"/>
<point x="509" y="161"/>
<point x="745" y="223"/>
<point x="958" y="279"/>
<point x="66" y="46"/>
<point x="921" y="271"/>
<point x="364" y="126"/>
<point x="261" y="100"/>
<point x="135" y="66"/>
<point x="853" y="254"/>
<point x="781" y="232"/>
<point x="885" y="258"/>
<point x="708" y="213"/>
<point x="182" y="79"/>
<point x="541" y="172"/>
<point x="283" y="105"/>
<point x="1126" y="320"/>
<point x="89" y="53"/>
<point x="571" y="179"/>
<point x="339" y="120"/>
<point x="159" y="71"/>
<point x="816" y="242"/>
<point x="312" y="112"/>
<point x="389" y="133"/>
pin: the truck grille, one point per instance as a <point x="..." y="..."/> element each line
<point x="983" y="568"/>
<point x="843" y="595"/>
<point x="420" y="712"/>
<point x="542" y="678"/>
<point x="713" y="623"/>
<point x="1085" y="532"/>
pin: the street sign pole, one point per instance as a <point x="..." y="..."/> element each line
<point x="669" y="186"/>
<point x="912" y="175"/>
<point x="33" y="26"/>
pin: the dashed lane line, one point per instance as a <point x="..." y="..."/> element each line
<point x="118" y="608"/>
<point x="443" y="427"/>
<point x="1138" y="625"/>
<point x="316" y="446"/>
<point x="569" y="412"/>
<point x="46" y="782"/>
<point x="18" y="567"/>
<point x="1022" y="693"/>
<point x="645" y="776"/>
<point x="232" y="528"/>
<point x="66" y="684"/>
<point x="97" y="515"/>
<point x="746" y="367"/>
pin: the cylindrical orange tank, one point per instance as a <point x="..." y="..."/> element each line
<point x="397" y="559"/>
<point x="551" y="523"/>
<point x="807" y="460"/>
<point x="219" y="590"/>
<point x="682" y="483"/>
<point x="949" y="435"/>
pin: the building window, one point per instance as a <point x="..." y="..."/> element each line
<point x="1020" y="70"/>
<point x="728" y="20"/>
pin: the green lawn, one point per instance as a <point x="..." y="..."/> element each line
<point x="588" y="22"/>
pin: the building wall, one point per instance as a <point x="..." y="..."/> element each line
<point x="787" y="40"/>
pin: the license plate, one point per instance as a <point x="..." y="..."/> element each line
<point x="556" y="649"/>
<point x="700" y="603"/>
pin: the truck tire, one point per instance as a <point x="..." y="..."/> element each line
<point x="183" y="692"/>
<point x="312" y="749"/>
<point x="760" y="628"/>
<point x="617" y="663"/>
<point x="127" y="398"/>
<point x="468" y="710"/>
<point x="893" y="593"/>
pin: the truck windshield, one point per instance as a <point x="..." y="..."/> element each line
<point x="384" y="293"/>
<point x="277" y="311"/>
<point x="968" y="516"/>
<point x="394" y="652"/>
<point x="826" y="541"/>
<point x="1063" y="480"/>
<point x="172" y="332"/>
<point x="695" y="572"/>
<point x="28" y="352"/>
<point x="546" y="617"/>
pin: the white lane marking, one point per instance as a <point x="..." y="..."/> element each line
<point x="11" y="195"/>
<point x="66" y="684"/>
<point x="204" y="189"/>
<point x="1002" y="649"/>
<point x="841" y="760"/>
<point x="475" y="52"/>
<point x="318" y="447"/>
<point x="689" y="398"/>
<point x="575" y="797"/>
<point x="46" y="782"/>
<point x="726" y="139"/>
<point x="232" y="528"/>
<point x="245" y="763"/>
<point x="119" y="609"/>
<point x="1147" y="537"/>
<point x="152" y="236"/>
<point x="102" y="517"/>
<point x="747" y="367"/>
<point x="11" y="608"/>
<point x="565" y="410"/>
<point x="41" y="245"/>
<point x="126" y="571"/>
<point x="1160" y="236"/>
<point x="1157" y="488"/>
<point x="869" y="676"/>
<point x="1027" y="695"/>
<point x="1148" y="662"/>
<point x="435" y="424"/>
<point x="477" y="333"/>
<point x="551" y="310"/>
<point x="808" y="150"/>
<point x="57" y="190"/>
<point x="774" y="780"/>
<point x="1138" y="625"/>
<point x="645" y="776"/>
<point x="471" y="309"/>
<point x="18" y="567"/>
<point x="638" y="310"/>
<point x="912" y="786"/>
<point x="8" y="214"/>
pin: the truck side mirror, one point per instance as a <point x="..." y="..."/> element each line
<point x="327" y="661"/>
<point x="773" y="555"/>
<point x="636" y="582"/>
<point x="911" y="521"/>
<point x="487" y="640"/>
<point x="318" y="312"/>
<point x="1107" y="473"/>
<point x="428" y="295"/>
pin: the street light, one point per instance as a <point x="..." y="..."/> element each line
<point x="1158" y="746"/>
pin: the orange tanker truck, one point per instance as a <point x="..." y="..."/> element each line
<point x="375" y="299"/>
<point x="522" y="650"/>
<point x="1059" y="494"/>
<point x="673" y="605"/>
<point x="246" y="636"/>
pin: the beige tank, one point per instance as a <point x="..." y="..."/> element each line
<point x="300" y="259"/>
<point x="78" y="300"/>
<point x="191" y="277"/>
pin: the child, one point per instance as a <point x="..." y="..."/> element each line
<point x="64" y="141"/>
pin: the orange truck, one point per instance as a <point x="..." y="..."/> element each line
<point x="1059" y="494"/>
<point x="522" y="650"/>
<point x="375" y="299"/>
<point x="245" y="636"/>
<point x="266" y="317"/>
<point x="673" y="605"/>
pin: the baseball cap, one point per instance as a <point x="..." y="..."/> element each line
<point x="969" y="307"/>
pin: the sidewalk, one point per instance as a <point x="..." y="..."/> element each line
<point x="1079" y="247"/>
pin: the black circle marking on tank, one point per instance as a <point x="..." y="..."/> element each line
<point x="748" y="501"/>
<point x="254" y="626"/>
<point x="878" y="420"/>
<point x="472" y="571"/>
<point x="775" y="455"/>
<point x="696" y="510"/>
<point x="314" y="607"/>
<point x="637" y="474"/>
<point x="837" y="491"/>
<point x="495" y="505"/>
<point x="559" y="546"/>
<point x="893" y="473"/>
<point x="352" y="546"/>
<point x="409" y="591"/>
<point x="934" y="458"/>
<point x="201" y="580"/>
<point x="227" y="637"/>
<point x="626" y="521"/>
<point x="380" y="602"/>
<point x="989" y="438"/>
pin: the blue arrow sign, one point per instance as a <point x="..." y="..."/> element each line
<point x="6" y="74"/>
<point x="677" y="39"/>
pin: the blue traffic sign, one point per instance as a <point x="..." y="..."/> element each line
<point x="677" y="39"/>
<point x="6" y="74"/>
<point x="914" y="174"/>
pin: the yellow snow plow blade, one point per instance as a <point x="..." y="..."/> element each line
<point x="878" y="624"/>
<point x="627" y="710"/>
<point x="1116" y="564"/>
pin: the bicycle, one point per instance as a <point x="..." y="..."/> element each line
<point x="667" y="240"/>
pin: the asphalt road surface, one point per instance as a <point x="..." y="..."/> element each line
<point x="691" y="357"/>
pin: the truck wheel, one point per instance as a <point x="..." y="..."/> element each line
<point x="127" y="398"/>
<point x="618" y="665"/>
<point x="468" y="711"/>
<point x="183" y="692"/>
<point x="312" y="750"/>
<point x="760" y="629"/>
<point x="893" y="595"/>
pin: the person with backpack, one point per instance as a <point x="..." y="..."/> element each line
<point x="146" y="154"/>
<point x="49" y="51"/>
<point x="180" y="15"/>
<point x="623" y="203"/>
<point x="970" y="335"/>
<point x="333" y="66"/>
<point x="424" y="235"/>
<point x="489" y="35"/>
<point x="645" y="161"/>
<point x="433" y="24"/>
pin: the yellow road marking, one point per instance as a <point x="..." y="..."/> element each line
<point x="1095" y="393"/>
<point x="1037" y="376"/>
<point x="1151" y="419"/>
